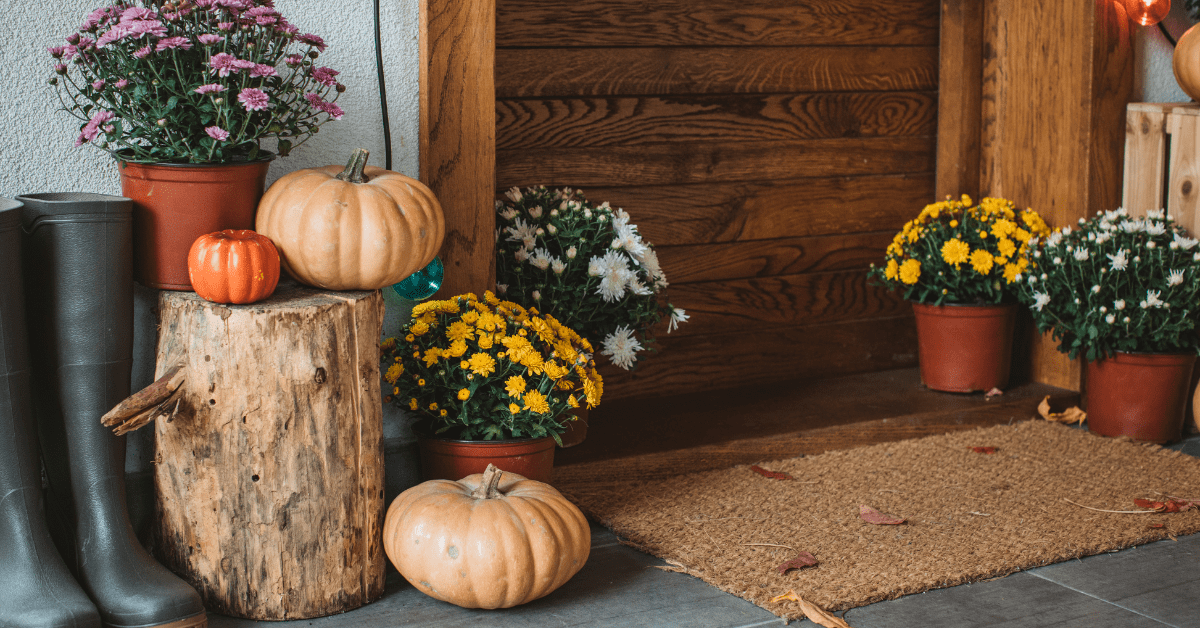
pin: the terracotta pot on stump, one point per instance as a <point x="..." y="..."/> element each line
<point x="173" y="204"/>
<point x="965" y="348"/>
<point x="446" y="459"/>
<point x="1140" y="395"/>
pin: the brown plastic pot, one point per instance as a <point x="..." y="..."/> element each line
<point x="965" y="348"/>
<point x="445" y="459"/>
<point x="576" y="428"/>
<point x="173" y="204"/>
<point x="1140" y="395"/>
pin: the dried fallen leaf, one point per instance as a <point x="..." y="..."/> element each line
<point x="774" y="475"/>
<point x="1070" y="415"/>
<point x="1158" y="525"/>
<point x="1171" y="505"/>
<point x="984" y="450"/>
<point x="870" y="515"/>
<point x="802" y="560"/>
<point x="813" y="612"/>
<point x="995" y="392"/>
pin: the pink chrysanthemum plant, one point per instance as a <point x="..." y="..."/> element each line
<point x="193" y="81"/>
<point x="586" y="264"/>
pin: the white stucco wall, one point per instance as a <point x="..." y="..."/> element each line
<point x="1154" y="81"/>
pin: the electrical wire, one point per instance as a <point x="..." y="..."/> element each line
<point x="387" y="126"/>
<point x="1160" y="27"/>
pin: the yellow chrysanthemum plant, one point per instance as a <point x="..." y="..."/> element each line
<point x="487" y="369"/>
<point x="957" y="252"/>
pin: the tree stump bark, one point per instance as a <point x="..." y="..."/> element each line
<point x="270" y="475"/>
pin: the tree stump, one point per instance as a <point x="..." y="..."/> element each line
<point x="270" y="473"/>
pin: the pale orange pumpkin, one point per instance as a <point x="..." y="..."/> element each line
<point x="233" y="266"/>
<point x="1186" y="62"/>
<point x="490" y="540"/>
<point x="357" y="228"/>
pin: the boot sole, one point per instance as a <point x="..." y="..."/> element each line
<point x="195" y="621"/>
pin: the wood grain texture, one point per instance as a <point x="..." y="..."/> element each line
<point x="721" y="361"/>
<point x="594" y="122"/>
<point x="762" y="210"/>
<point x="270" y="476"/>
<point x="680" y="163"/>
<point x="569" y="72"/>
<point x="1145" y="158"/>
<point x="960" y="90"/>
<point x="767" y="258"/>
<point x="591" y="23"/>
<point x="771" y="303"/>
<point x="1053" y="140"/>
<point x="458" y="134"/>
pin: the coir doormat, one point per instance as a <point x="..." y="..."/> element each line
<point x="976" y="504"/>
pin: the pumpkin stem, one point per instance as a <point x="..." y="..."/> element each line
<point x="354" y="168"/>
<point x="487" y="486"/>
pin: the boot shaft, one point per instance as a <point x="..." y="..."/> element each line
<point x="18" y="444"/>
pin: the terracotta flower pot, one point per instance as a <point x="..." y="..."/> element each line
<point x="1140" y="395"/>
<point x="576" y="429"/>
<point x="965" y="348"/>
<point x="445" y="459"/>
<point x="173" y="204"/>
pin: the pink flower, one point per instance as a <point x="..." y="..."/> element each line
<point x="98" y="17"/>
<point x="60" y="68"/>
<point x="69" y="52"/>
<point x="263" y="69"/>
<point x="98" y="84"/>
<point x="136" y="13"/>
<point x="203" y="4"/>
<point x="263" y="10"/>
<point x="210" y="88"/>
<point x="85" y="43"/>
<point x="73" y="39"/>
<point x="174" y="42"/>
<point x="243" y="64"/>
<point x="217" y="133"/>
<point x="57" y="51"/>
<point x="233" y="5"/>
<point x="265" y="20"/>
<point x="121" y="84"/>
<point x="209" y="39"/>
<point x="284" y="27"/>
<point x="253" y="99"/>
<point x="142" y="52"/>
<point x="92" y="129"/>
<point x="222" y="63"/>
<point x="116" y="33"/>
<point x="325" y="76"/>
<point x="313" y="40"/>
<point x="318" y="103"/>
<point x="226" y="26"/>
<point x="293" y="60"/>
<point x="145" y="27"/>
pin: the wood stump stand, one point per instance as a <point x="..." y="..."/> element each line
<point x="270" y="474"/>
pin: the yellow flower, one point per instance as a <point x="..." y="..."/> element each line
<point x="428" y="306"/>
<point x="458" y="330"/>
<point x="572" y="401"/>
<point x="393" y="373"/>
<point x="419" y="328"/>
<point x="592" y="392"/>
<point x="910" y="271"/>
<point x="485" y="341"/>
<point x="457" y="348"/>
<point x="433" y="406"/>
<point x="532" y="361"/>
<point x="388" y="343"/>
<point x="396" y="390"/>
<point x="981" y="261"/>
<point x="489" y="321"/>
<point x="442" y="412"/>
<point x="464" y="365"/>
<point x="1003" y="227"/>
<point x="955" y="251"/>
<point x="514" y="408"/>
<point x="482" y="364"/>
<point x="536" y="402"/>
<point x="448" y="307"/>
<point x="421" y="382"/>
<point x="1006" y="246"/>
<point x="953" y="224"/>
<point x="554" y="371"/>
<point x="892" y="271"/>
<point x="490" y="298"/>
<point x="895" y="249"/>
<point x="514" y="386"/>
<point x="1000" y="260"/>
<point x="410" y="338"/>
<point x="1021" y="235"/>
<point x="463" y="394"/>
<point x="412" y="404"/>
<point x="564" y="384"/>
<point x="1011" y="271"/>
<point x="470" y="317"/>
<point x="983" y="234"/>
<point x="432" y="355"/>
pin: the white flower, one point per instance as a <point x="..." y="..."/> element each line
<point x="1130" y="226"/>
<point x="1119" y="304"/>
<point x="514" y="195"/>
<point x="1103" y="309"/>
<point x="557" y="266"/>
<point x="587" y="213"/>
<point x="1102" y="238"/>
<point x="1096" y="289"/>
<point x="523" y="233"/>
<point x="1110" y="319"/>
<point x="621" y="347"/>
<point x="1081" y="255"/>
<point x="537" y="296"/>
<point x="552" y="229"/>
<point x="540" y="259"/>
<point x="1175" y="277"/>
<point x="1032" y="279"/>
<point x="535" y="212"/>
<point x="1119" y="261"/>
<point x="1196" y="256"/>
<point x="1057" y="261"/>
<point x="677" y="316"/>
<point x="595" y="266"/>
<point x="1054" y="239"/>
<point x="501" y="288"/>
<point x="1040" y="300"/>
<point x="1155" y="228"/>
<point x="571" y="253"/>
<point x="637" y="287"/>
<point x="628" y="239"/>
<point x="1152" y="298"/>
<point x="1137" y="259"/>
<point x="614" y="274"/>
<point x="1017" y="277"/>
<point x="1184" y="242"/>
<point x="650" y="263"/>
<point x="521" y="255"/>
<point x="1156" y="214"/>
<point x="1151" y="244"/>
<point x="508" y="214"/>
<point x="1126" y="320"/>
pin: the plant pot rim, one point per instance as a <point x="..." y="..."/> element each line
<point x="499" y="441"/>
<point x="966" y="304"/>
<point x="1138" y="356"/>
<point x="264" y="157"/>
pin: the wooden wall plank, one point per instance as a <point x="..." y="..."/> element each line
<point x="670" y="164"/>
<point x="766" y="303"/>
<point x="635" y="71"/>
<point x="761" y="210"/>
<point x="594" y="23"/>
<point x="711" y="362"/>
<point x="458" y="134"/>
<point x="766" y="258"/>
<point x="960" y="77"/>
<point x="594" y="122"/>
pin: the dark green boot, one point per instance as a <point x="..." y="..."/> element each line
<point x="79" y="308"/>
<point x="37" y="590"/>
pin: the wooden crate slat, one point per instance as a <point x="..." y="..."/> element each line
<point x="1145" y="160"/>
<point x="676" y="163"/>
<point x="766" y="258"/>
<point x="593" y="122"/>
<point x="592" y="23"/>
<point x="543" y="72"/>
<point x="1184" y="170"/>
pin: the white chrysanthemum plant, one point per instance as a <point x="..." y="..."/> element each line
<point x="586" y="265"/>
<point x="1117" y="283"/>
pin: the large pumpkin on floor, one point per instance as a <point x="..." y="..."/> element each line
<point x="357" y="228"/>
<point x="490" y="540"/>
<point x="235" y="266"/>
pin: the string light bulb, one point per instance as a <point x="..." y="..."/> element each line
<point x="1147" y="12"/>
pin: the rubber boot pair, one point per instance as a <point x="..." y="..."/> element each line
<point x="66" y="286"/>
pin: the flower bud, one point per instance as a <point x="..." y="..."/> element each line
<point x="313" y="54"/>
<point x="340" y="88"/>
<point x="60" y="68"/>
<point x="217" y="101"/>
<point x="73" y="38"/>
<point x="53" y="80"/>
<point x="162" y="122"/>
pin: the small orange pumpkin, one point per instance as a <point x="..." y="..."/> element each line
<point x="489" y="540"/>
<point x="233" y="266"/>
<point x="357" y="228"/>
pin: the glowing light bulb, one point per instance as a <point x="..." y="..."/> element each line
<point x="1147" y="12"/>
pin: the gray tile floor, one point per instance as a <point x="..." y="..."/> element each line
<point x="1154" y="585"/>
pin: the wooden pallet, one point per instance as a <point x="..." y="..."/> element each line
<point x="1162" y="163"/>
